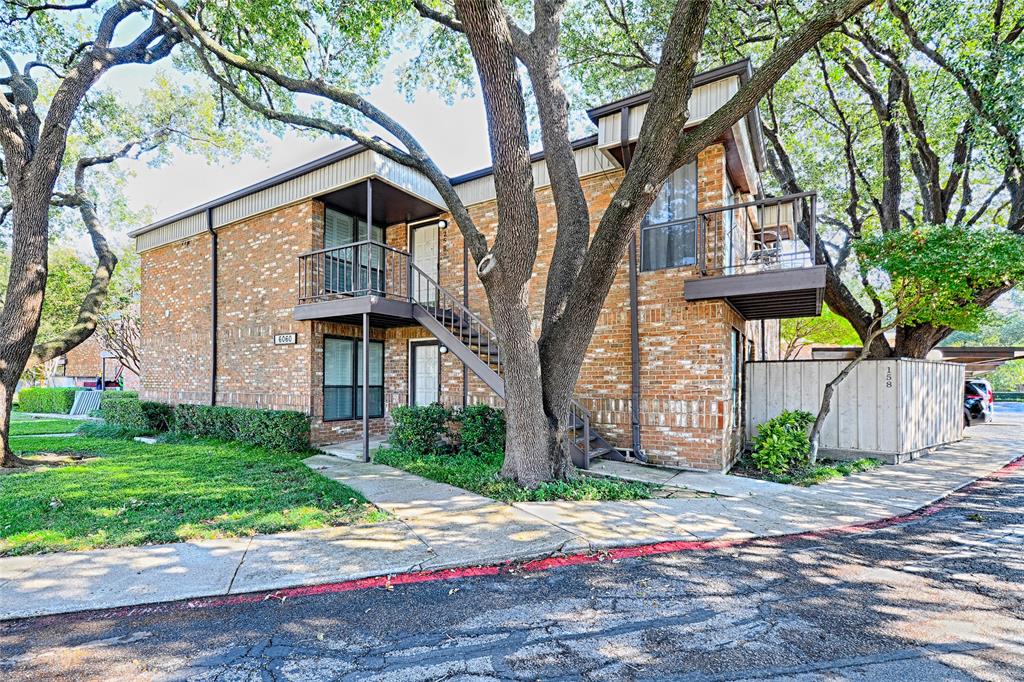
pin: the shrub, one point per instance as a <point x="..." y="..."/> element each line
<point x="422" y="431"/>
<point x="47" y="400"/>
<point x="125" y="410"/>
<point x="781" y="442"/>
<point x="482" y="430"/>
<point x="276" y="429"/>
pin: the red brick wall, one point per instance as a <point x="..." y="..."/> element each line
<point x="84" y="360"/>
<point x="175" y="305"/>
<point x="685" y="404"/>
<point x="685" y="408"/>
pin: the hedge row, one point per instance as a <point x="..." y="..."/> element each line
<point x="47" y="400"/>
<point x="276" y="429"/>
<point x="1010" y="396"/>
<point x="124" y="409"/>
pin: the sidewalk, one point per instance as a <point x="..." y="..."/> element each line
<point x="437" y="526"/>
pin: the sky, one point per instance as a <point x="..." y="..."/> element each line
<point x="455" y="135"/>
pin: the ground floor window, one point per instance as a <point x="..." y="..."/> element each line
<point x="343" y="378"/>
<point x="425" y="373"/>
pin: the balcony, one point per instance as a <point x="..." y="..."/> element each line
<point x="342" y="283"/>
<point x="761" y="258"/>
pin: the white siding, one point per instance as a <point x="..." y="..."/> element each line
<point x="340" y="174"/>
<point x="589" y="161"/>
<point x="705" y="100"/>
<point x="884" y="407"/>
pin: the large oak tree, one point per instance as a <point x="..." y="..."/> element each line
<point x="61" y="136"/>
<point x="909" y="116"/>
<point x="267" y="53"/>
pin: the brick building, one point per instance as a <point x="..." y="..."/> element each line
<point x="89" y="364"/>
<point x="262" y="298"/>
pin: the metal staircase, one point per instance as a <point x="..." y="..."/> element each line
<point x="476" y="345"/>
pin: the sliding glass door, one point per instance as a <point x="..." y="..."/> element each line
<point x="353" y="269"/>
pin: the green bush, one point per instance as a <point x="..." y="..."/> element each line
<point x="781" y="442"/>
<point x="482" y="429"/>
<point x="124" y="409"/>
<point x="276" y="429"/>
<point x="47" y="400"/>
<point x="422" y="431"/>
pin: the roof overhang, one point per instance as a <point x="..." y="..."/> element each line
<point x="413" y="195"/>
<point x="744" y="141"/>
<point x="976" y="359"/>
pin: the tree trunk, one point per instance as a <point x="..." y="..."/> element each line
<point x="830" y="389"/>
<point x="534" y="451"/>
<point x="19" y="320"/>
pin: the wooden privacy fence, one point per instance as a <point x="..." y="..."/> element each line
<point x="891" y="409"/>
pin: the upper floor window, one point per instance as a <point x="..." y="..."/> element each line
<point x="669" y="230"/>
<point x="341" y="229"/>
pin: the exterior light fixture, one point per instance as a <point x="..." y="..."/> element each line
<point x="442" y="349"/>
<point x="442" y="224"/>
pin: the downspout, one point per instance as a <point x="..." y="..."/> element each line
<point x="213" y="306"/>
<point x="465" y="302"/>
<point x="634" y="309"/>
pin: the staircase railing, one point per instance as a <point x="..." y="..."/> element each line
<point x="371" y="268"/>
<point x="451" y="312"/>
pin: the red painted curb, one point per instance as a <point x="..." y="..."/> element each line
<point x="388" y="582"/>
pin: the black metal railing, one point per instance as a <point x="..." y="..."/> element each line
<point x="448" y="309"/>
<point x="359" y="269"/>
<point x="372" y="268"/>
<point x="777" y="233"/>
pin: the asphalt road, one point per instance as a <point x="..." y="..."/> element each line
<point x="936" y="598"/>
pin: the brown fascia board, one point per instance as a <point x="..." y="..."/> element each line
<point x="309" y="167"/>
<point x="742" y="68"/>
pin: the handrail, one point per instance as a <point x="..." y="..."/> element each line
<point x="448" y="294"/>
<point x="715" y="238"/>
<point x="353" y="245"/>
<point x="767" y="201"/>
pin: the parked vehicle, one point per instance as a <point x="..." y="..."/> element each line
<point x="977" y="408"/>
<point x="984" y="388"/>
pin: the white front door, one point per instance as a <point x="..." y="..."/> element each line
<point x="425" y="257"/>
<point x="426" y="372"/>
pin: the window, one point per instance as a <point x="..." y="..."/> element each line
<point x="342" y="229"/>
<point x="669" y="230"/>
<point x="343" y="378"/>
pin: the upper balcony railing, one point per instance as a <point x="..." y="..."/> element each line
<point x="366" y="268"/>
<point x="777" y="233"/>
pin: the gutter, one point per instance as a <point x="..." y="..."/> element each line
<point x="213" y="305"/>
<point x="634" y="310"/>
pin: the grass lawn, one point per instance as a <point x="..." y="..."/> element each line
<point x="808" y="474"/>
<point x="24" y="425"/>
<point x="137" y="494"/>
<point x="479" y="474"/>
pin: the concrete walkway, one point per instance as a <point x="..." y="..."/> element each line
<point x="437" y="526"/>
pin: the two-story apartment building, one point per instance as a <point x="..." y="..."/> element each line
<point x="278" y="295"/>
